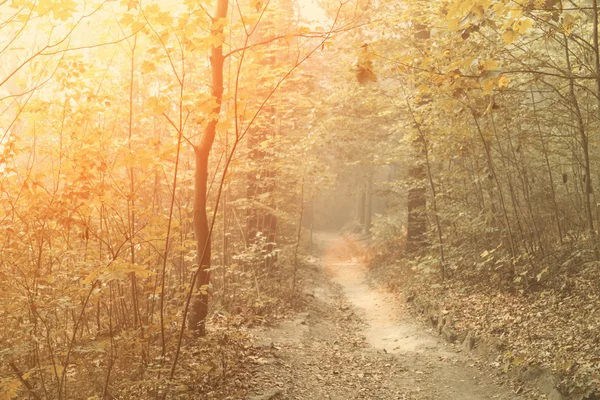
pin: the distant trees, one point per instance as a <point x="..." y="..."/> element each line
<point x="506" y="94"/>
<point x="495" y="112"/>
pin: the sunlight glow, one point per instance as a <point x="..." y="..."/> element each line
<point x="312" y="12"/>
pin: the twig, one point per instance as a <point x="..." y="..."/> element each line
<point x="24" y="381"/>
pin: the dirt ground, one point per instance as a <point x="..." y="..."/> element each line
<point x="357" y="342"/>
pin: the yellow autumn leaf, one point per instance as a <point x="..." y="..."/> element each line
<point x="43" y="6"/>
<point x="467" y="62"/>
<point x="426" y="63"/>
<point x="423" y="89"/>
<point x="489" y="65"/>
<point x="499" y="8"/>
<point x="165" y="18"/>
<point x="127" y="19"/>
<point x="503" y="82"/>
<point x="510" y="36"/>
<point x="133" y="4"/>
<point x="487" y="86"/>
<point x="523" y="25"/>
<point x="218" y="25"/>
<point x="251" y="19"/>
<point x="156" y="105"/>
<point x="206" y="107"/>
<point x="516" y="11"/>
<point x="148" y="67"/>
<point x="92" y="276"/>
<point x="478" y="11"/>
<point x="568" y="23"/>
<point x="64" y="12"/>
<point x="137" y="26"/>
<point x="224" y="125"/>
<point x="153" y="9"/>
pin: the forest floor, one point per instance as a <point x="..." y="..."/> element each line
<point x="355" y="341"/>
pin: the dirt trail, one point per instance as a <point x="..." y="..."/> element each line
<point x="356" y="342"/>
<point x="388" y="328"/>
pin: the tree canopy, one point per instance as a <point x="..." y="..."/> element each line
<point x="164" y="163"/>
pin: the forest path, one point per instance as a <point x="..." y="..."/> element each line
<point x="355" y="342"/>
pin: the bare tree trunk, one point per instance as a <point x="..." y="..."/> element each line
<point x="131" y="202"/>
<point x="299" y="232"/>
<point x="587" y="158"/>
<point x="513" y="193"/>
<point x="435" y="208"/>
<point x="425" y="152"/>
<point x="587" y="191"/>
<point x="550" y="176"/>
<point x="262" y="222"/>
<point x="362" y="201"/>
<point x="199" y="307"/>
<point x="417" y="223"/>
<point x="368" y="209"/>
<point x="495" y="178"/>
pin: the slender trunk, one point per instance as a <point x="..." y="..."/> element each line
<point x="225" y="242"/>
<point x="500" y="195"/>
<point x="513" y="194"/>
<point x="435" y="209"/>
<point x="477" y="180"/>
<point x="517" y="210"/>
<point x="362" y="201"/>
<point x="523" y="175"/>
<point x="416" y="235"/>
<point x="299" y="233"/>
<point x="368" y="211"/>
<point x="312" y="222"/>
<point x="597" y="72"/>
<point x="587" y="190"/>
<point x="550" y="176"/>
<point x="425" y="153"/>
<point x="199" y="306"/>
<point x="262" y="222"/>
<point x="131" y="203"/>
